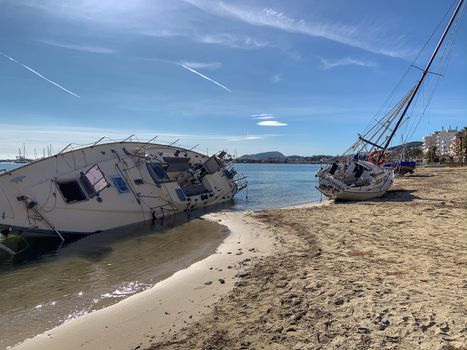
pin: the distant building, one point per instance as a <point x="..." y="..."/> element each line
<point x="441" y="140"/>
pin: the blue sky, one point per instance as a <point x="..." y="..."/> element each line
<point x="301" y="77"/>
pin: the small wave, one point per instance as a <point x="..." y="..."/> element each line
<point x="127" y="289"/>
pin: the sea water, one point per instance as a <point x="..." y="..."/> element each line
<point x="49" y="284"/>
<point x="277" y="185"/>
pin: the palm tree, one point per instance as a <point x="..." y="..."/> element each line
<point x="432" y="156"/>
<point x="463" y="144"/>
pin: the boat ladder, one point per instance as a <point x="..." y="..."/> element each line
<point x="32" y="205"/>
<point x="49" y="223"/>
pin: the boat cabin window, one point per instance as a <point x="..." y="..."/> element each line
<point x="120" y="184"/>
<point x="157" y="172"/>
<point x="180" y="194"/>
<point x="71" y="191"/>
<point x="93" y="181"/>
<point x="176" y="164"/>
<point x="212" y="165"/>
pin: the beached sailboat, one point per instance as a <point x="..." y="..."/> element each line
<point x="359" y="173"/>
<point x="109" y="185"/>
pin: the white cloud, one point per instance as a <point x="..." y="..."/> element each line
<point x="271" y="123"/>
<point x="157" y="18"/>
<point x="77" y="47"/>
<point x="231" y="40"/>
<point x="245" y="138"/>
<point x="267" y="17"/>
<point x="262" y="116"/>
<point x="276" y="78"/>
<point x="201" y="65"/>
<point x="347" y="61"/>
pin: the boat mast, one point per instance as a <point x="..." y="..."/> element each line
<point x="425" y="72"/>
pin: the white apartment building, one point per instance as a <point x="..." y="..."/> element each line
<point x="441" y="139"/>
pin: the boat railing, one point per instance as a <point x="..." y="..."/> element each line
<point x="241" y="182"/>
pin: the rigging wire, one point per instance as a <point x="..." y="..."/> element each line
<point x="443" y="63"/>
<point x="391" y="96"/>
<point x="432" y="84"/>
<point x="384" y="124"/>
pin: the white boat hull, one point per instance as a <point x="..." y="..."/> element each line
<point x="334" y="188"/>
<point x="54" y="194"/>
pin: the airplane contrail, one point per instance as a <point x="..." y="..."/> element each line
<point x="205" y="77"/>
<point x="39" y="74"/>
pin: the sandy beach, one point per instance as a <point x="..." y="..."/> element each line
<point x="384" y="274"/>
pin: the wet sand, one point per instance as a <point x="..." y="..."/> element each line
<point x="384" y="274"/>
<point x="183" y="298"/>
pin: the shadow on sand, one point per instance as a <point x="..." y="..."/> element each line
<point x="397" y="195"/>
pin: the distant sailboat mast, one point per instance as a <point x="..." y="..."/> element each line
<point x="414" y="91"/>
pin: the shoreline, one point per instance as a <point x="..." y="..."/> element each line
<point x="171" y="304"/>
<point x="387" y="273"/>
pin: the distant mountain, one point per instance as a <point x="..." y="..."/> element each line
<point x="413" y="144"/>
<point x="264" y="156"/>
<point x="278" y="157"/>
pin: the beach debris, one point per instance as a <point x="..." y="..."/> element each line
<point x="424" y="327"/>
<point x="392" y="339"/>
<point x="444" y="327"/>
<point x="208" y="283"/>
<point x="384" y="324"/>
<point x="339" y="301"/>
<point x="363" y="330"/>
<point x="243" y="274"/>
<point x="221" y="281"/>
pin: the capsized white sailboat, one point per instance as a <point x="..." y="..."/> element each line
<point x="109" y="185"/>
<point x="358" y="174"/>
